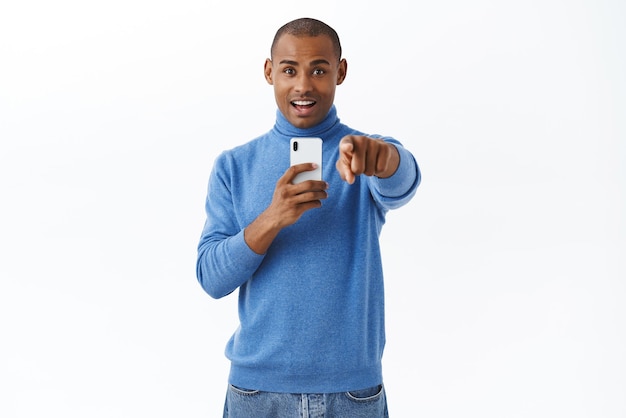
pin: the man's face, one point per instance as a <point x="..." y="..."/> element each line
<point x="304" y="72"/>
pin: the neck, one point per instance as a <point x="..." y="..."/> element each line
<point x="283" y="127"/>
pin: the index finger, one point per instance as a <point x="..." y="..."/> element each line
<point x="300" y="172"/>
<point x="346" y="146"/>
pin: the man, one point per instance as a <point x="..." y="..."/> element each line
<point x="305" y="257"/>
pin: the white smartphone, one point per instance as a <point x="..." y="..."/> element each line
<point x="306" y="150"/>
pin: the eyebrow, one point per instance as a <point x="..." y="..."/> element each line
<point x="313" y="63"/>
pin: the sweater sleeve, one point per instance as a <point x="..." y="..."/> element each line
<point x="397" y="190"/>
<point x="225" y="261"/>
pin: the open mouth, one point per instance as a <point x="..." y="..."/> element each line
<point x="303" y="104"/>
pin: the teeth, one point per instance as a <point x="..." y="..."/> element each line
<point x="303" y="102"/>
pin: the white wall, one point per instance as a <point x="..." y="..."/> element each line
<point x="505" y="274"/>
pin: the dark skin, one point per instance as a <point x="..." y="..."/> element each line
<point x="305" y="72"/>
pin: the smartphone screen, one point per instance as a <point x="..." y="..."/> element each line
<point x="306" y="150"/>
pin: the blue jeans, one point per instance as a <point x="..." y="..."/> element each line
<point x="246" y="403"/>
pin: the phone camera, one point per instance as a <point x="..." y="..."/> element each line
<point x="295" y="145"/>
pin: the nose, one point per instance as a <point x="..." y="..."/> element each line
<point x="303" y="83"/>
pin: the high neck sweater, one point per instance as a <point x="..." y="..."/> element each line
<point x="311" y="309"/>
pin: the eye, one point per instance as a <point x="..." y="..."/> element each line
<point x="289" y="71"/>
<point x="319" y="71"/>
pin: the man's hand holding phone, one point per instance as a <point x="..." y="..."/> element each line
<point x="289" y="202"/>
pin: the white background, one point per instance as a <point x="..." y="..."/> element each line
<point x="505" y="274"/>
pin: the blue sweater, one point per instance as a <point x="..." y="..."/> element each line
<point x="311" y="309"/>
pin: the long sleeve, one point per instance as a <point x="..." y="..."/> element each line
<point x="224" y="259"/>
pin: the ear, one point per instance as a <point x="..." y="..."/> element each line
<point x="343" y="70"/>
<point x="267" y="69"/>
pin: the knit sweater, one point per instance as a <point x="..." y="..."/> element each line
<point x="311" y="308"/>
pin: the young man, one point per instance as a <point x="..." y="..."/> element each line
<point x="305" y="257"/>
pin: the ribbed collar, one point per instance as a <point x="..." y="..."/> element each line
<point x="286" y="129"/>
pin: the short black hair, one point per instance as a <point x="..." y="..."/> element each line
<point x="307" y="26"/>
